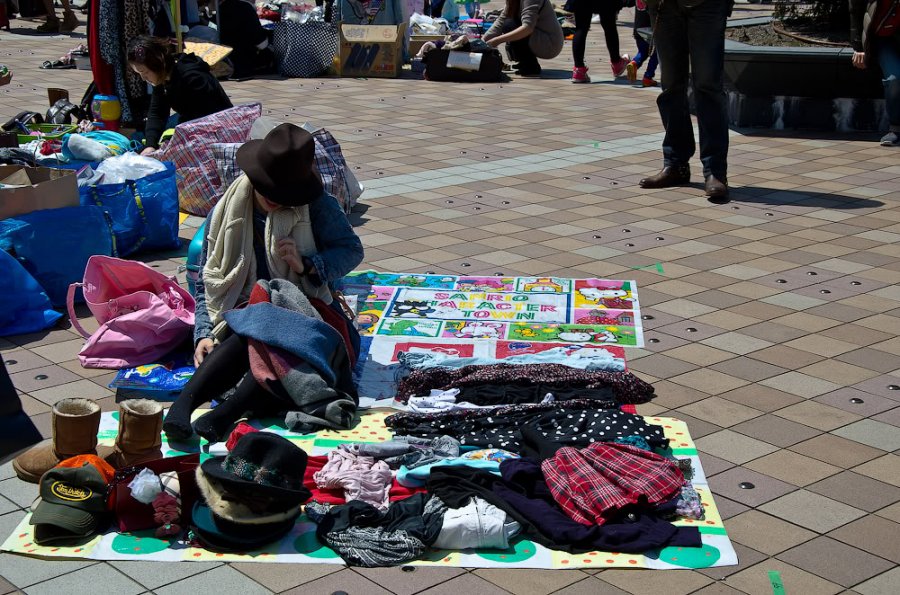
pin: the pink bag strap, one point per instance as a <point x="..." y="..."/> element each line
<point x="70" y="305"/>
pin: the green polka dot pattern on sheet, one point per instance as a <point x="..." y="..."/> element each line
<point x="520" y="552"/>
<point x="690" y="557"/>
<point x="139" y="543"/>
<point x="308" y="545"/>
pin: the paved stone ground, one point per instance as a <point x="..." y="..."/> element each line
<point x="540" y="177"/>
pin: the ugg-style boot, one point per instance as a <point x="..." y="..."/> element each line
<point x="75" y="423"/>
<point x="139" y="440"/>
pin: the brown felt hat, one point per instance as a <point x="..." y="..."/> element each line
<point x="282" y="167"/>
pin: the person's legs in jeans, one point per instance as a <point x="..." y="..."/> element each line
<point x="221" y="371"/>
<point x="889" y="60"/>
<point x="583" y="16"/>
<point x="706" y="35"/>
<point x="672" y="44"/>
<point x="520" y="52"/>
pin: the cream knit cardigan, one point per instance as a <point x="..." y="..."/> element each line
<point x="230" y="271"/>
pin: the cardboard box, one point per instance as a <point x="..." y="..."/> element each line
<point x="417" y="41"/>
<point x="374" y="51"/>
<point x="27" y="189"/>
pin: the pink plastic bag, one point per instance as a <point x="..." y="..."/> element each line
<point x="143" y="314"/>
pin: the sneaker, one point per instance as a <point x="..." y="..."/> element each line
<point x="580" y="75"/>
<point x="891" y="139"/>
<point x="69" y="23"/>
<point x="631" y="71"/>
<point x="618" y="67"/>
<point x="51" y="26"/>
<point x="649" y="82"/>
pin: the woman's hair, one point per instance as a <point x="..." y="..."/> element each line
<point x="156" y="54"/>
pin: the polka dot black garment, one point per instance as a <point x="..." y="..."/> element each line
<point x="547" y="434"/>
<point x="503" y="427"/>
<point x="627" y="387"/>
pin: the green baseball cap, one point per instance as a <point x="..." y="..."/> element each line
<point x="73" y="500"/>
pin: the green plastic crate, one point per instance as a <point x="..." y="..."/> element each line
<point x="48" y="132"/>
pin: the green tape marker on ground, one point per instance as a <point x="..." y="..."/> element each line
<point x="658" y="266"/>
<point x="777" y="585"/>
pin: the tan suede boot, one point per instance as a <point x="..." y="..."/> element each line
<point x="75" y="423"/>
<point x="139" y="439"/>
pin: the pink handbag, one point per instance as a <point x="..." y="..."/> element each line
<point x="143" y="314"/>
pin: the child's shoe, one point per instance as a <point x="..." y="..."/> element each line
<point x="580" y="75"/>
<point x="631" y="71"/>
<point x="649" y="82"/>
<point x="619" y="66"/>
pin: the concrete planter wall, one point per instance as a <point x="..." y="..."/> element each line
<point x="800" y="87"/>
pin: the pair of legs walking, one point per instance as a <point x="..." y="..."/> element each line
<point x="608" y="11"/>
<point x="53" y="24"/>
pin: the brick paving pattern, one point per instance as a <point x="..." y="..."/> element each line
<point x="786" y="378"/>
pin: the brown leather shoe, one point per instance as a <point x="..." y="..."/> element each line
<point x="669" y="176"/>
<point x="716" y="189"/>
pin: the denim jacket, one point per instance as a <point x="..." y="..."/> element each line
<point x="339" y="252"/>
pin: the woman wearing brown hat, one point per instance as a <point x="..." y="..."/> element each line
<point x="275" y="222"/>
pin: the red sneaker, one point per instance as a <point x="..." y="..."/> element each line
<point x="618" y="67"/>
<point x="649" y="82"/>
<point x="580" y="75"/>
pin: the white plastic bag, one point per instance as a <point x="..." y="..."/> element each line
<point x="129" y="166"/>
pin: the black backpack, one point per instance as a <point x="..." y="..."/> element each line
<point x="23" y="118"/>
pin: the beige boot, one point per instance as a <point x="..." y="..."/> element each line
<point x="139" y="439"/>
<point x="75" y="423"/>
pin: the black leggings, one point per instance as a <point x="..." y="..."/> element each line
<point x="584" y="10"/>
<point x="226" y="367"/>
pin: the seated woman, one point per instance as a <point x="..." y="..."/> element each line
<point x="240" y="29"/>
<point x="530" y="31"/>
<point x="181" y="82"/>
<point x="275" y="222"/>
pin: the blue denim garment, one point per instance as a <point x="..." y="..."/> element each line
<point x="339" y="252"/>
<point x="690" y="40"/>
<point x="888" y="51"/>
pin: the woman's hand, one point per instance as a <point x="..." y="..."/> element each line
<point x="204" y="347"/>
<point x="493" y="41"/>
<point x="287" y="250"/>
<point x="859" y="60"/>
<point x="148" y="151"/>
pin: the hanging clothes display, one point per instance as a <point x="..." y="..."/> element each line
<point x="120" y="22"/>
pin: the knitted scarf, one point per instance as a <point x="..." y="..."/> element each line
<point x="230" y="271"/>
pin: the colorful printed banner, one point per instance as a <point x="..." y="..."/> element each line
<point x="535" y="309"/>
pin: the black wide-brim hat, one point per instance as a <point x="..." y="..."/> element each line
<point x="282" y="166"/>
<point x="261" y="464"/>
<point x="218" y="534"/>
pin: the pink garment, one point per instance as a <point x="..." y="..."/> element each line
<point x="362" y="478"/>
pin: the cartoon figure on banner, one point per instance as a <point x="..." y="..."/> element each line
<point x="412" y="280"/>
<point x="542" y="285"/>
<point x="367" y="320"/>
<point x="410" y="328"/>
<point x="607" y="298"/>
<point x="587" y="336"/>
<point x="477" y="330"/>
<point x="485" y="284"/>
<point x="411" y="308"/>
<point x="601" y="317"/>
